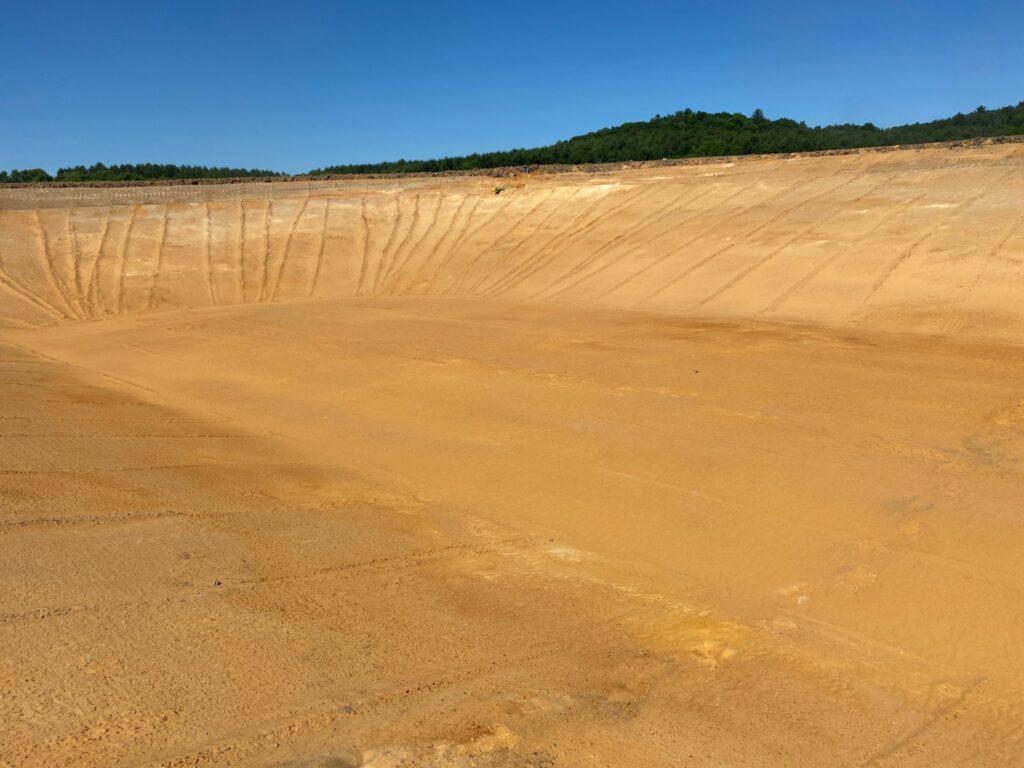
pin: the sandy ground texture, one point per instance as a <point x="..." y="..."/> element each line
<point x="695" y="466"/>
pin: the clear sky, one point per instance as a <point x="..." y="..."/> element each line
<point x="296" y="84"/>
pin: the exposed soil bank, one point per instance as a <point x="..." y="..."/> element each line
<point x="393" y="473"/>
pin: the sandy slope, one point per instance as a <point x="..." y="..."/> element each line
<point x="359" y="473"/>
<point x="927" y="240"/>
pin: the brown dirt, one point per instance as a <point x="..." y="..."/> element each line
<point x="702" y="465"/>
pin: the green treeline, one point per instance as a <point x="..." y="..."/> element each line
<point x="23" y="177"/>
<point x="140" y="172"/>
<point x="704" y="134"/>
<point x="684" y="134"/>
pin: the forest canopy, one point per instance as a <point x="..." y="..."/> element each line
<point x="703" y="134"/>
<point x="130" y="172"/>
<point x="686" y="133"/>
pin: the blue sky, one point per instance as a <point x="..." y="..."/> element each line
<point x="300" y="84"/>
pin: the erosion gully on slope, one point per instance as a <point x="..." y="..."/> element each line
<point x="926" y="241"/>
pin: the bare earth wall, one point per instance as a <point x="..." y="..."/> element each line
<point x="699" y="465"/>
<point x="926" y="241"/>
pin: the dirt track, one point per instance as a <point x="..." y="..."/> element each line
<point x="707" y="465"/>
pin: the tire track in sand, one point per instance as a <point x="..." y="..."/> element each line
<point x="400" y="248"/>
<point x="49" y="270"/>
<point x="76" y="264"/>
<point x="642" y="192"/>
<point x="95" y="293"/>
<point x="466" y="235"/>
<point x="415" y="247"/>
<point x="381" y="260"/>
<point x="315" y="281"/>
<point x="123" y="268"/>
<point x="19" y="290"/>
<point x="783" y="297"/>
<point x="159" y="258"/>
<point x="436" y="272"/>
<point x="208" y="242"/>
<point x="491" y="289"/>
<point x="521" y="272"/>
<point x="287" y="249"/>
<point x="242" y="272"/>
<point x="580" y="224"/>
<point x="366" y="247"/>
<point x="264" y="267"/>
<point x="657" y="215"/>
<point x="910" y="250"/>
<point x="746" y="235"/>
<point x="753" y="266"/>
<point x="464" y="275"/>
<point x="661" y="259"/>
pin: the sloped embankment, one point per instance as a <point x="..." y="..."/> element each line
<point x="928" y="240"/>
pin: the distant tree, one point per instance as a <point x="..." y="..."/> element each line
<point x="27" y="176"/>
<point x="686" y="133"/>
<point x="153" y="172"/>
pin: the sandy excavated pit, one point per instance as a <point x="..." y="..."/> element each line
<point x="711" y="465"/>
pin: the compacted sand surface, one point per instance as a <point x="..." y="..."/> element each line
<point x="711" y="465"/>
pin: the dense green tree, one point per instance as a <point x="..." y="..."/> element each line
<point x="702" y="134"/>
<point x="687" y="133"/>
<point x="128" y="172"/>
<point x="151" y="171"/>
<point x="23" y="177"/>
